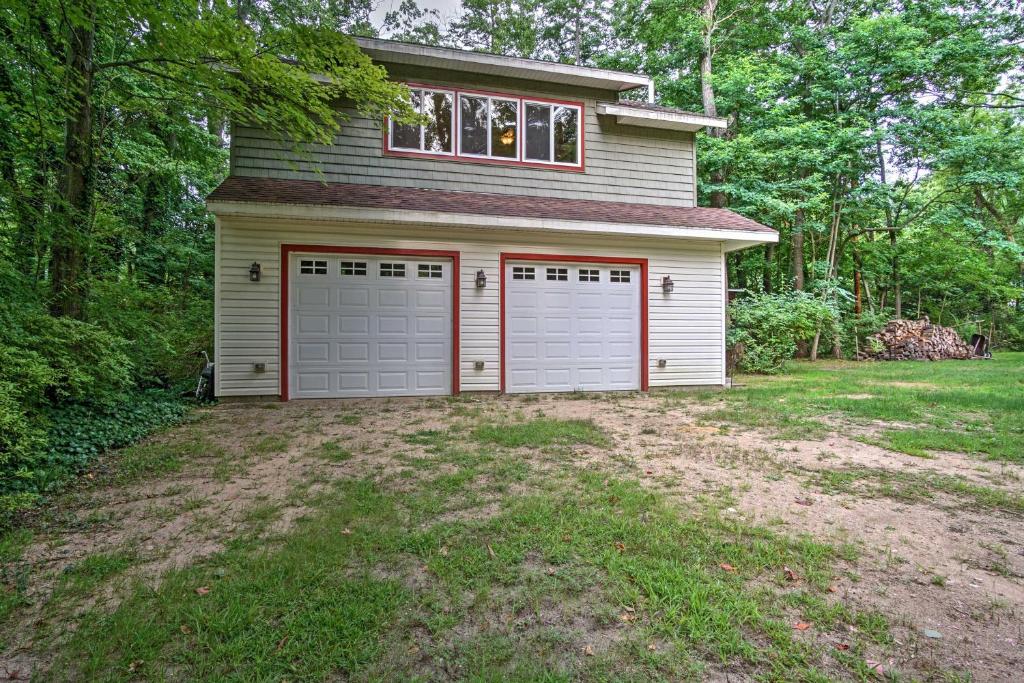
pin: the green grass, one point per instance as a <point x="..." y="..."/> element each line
<point x="914" y="487"/>
<point x="332" y="451"/>
<point x="85" y="575"/>
<point x="972" y="407"/>
<point x="378" y="583"/>
<point x="13" y="576"/>
<point x="541" y="432"/>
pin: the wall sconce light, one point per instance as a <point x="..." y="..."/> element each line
<point x="478" y="365"/>
<point x="481" y="279"/>
<point x="662" y="363"/>
<point x="667" y="285"/>
<point x="254" y="272"/>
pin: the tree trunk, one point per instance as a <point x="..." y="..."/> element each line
<point x="72" y="214"/>
<point x="707" y="94"/>
<point x="895" y="268"/>
<point x="796" y="253"/>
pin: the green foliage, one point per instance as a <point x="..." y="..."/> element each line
<point x="769" y="326"/>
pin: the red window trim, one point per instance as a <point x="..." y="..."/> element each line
<point x="288" y="249"/>
<point x="458" y="157"/>
<point x="575" y="258"/>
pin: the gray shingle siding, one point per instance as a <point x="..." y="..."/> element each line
<point x="623" y="163"/>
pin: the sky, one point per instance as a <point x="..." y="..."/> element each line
<point x="447" y="8"/>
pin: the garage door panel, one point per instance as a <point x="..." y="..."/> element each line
<point x="393" y="298"/>
<point x="392" y="324"/>
<point x="367" y="326"/>
<point x="352" y="297"/>
<point x="314" y="324"/>
<point x="427" y="352"/>
<point x="313" y="352"/>
<point x="314" y="382"/>
<point x="431" y="299"/>
<point x="393" y="381"/>
<point x="315" y="296"/>
<point x="431" y="324"/>
<point x="523" y="324"/>
<point x="392" y="352"/>
<point x="431" y="380"/>
<point x="353" y="381"/>
<point x="580" y="332"/>
<point x="353" y="352"/>
<point x="353" y="324"/>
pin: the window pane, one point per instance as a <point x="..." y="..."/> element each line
<point x="538" y="132"/>
<point x="566" y="135"/>
<point x="504" y="118"/>
<point x="438" y="133"/>
<point x="473" y="117"/>
<point x="404" y="135"/>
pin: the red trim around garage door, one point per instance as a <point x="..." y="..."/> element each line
<point x="554" y="258"/>
<point x="288" y="249"/>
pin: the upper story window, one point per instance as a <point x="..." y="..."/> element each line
<point x="436" y="136"/>
<point x="493" y="128"/>
<point x="552" y="133"/>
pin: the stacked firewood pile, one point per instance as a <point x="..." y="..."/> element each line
<point x="915" y="340"/>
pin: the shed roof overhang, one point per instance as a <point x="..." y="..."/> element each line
<point x="310" y="200"/>
<point x="652" y="116"/>
<point x="397" y="52"/>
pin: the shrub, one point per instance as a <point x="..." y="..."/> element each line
<point x="769" y="326"/>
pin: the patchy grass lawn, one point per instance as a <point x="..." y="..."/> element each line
<point x="972" y="407"/>
<point x="597" y="537"/>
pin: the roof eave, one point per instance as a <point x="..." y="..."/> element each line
<point x="732" y="239"/>
<point x="660" y="119"/>
<point x="396" y="52"/>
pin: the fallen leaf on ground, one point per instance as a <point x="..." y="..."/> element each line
<point x="629" y="609"/>
<point x="876" y="667"/>
<point x="281" y="643"/>
<point x="620" y="546"/>
<point x="552" y="571"/>
<point x="727" y="567"/>
<point x="490" y="550"/>
<point x="652" y="647"/>
<point x="832" y="589"/>
<point x="801" y="626"/>
<point x="588" y="651"/>
<point x="135" y="666"/>
<point x="185" y="629"/>
<point x="443" y="551"/>
<point x="804" y="501"/>
<point x="649" y="471"/>
<point x="789" y="574"/>
<point x="566" y="538"/>
<point x="842" y="646"/>
<point x="202" y="590"/>
<point x="626" y="617"/>
<point x="346" y="532"/>
<point x="414" y="648"/>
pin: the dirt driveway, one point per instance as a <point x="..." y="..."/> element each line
<point x="936" y="545"/>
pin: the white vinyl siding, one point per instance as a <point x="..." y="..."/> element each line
<point x="685" y="327"/>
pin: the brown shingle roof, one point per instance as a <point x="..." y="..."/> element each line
<point x="311" y="192"/>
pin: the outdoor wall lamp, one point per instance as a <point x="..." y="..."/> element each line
<point x="667" y="285"/>
<point x="481" y="279"/>
<point x="254" y="272"/>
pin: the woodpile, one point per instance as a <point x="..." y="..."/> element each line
<point x="915" y="340"/>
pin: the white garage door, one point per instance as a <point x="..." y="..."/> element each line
<point x="369" y="326"/>
<point x="571" y="327"/>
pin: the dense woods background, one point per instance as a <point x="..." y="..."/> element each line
<point x="884" y="140"/>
